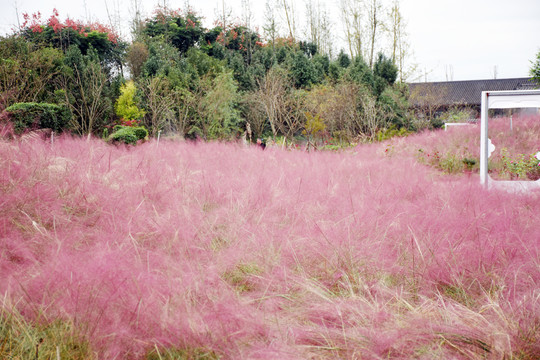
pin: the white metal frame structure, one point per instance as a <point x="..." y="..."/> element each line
<point x="503" y="100"/>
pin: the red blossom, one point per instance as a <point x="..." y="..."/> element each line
<point x="37" y="28"/>
<point x="36" y="24"/>
<point x="130" y="123"/>
<point x="55" y="24"/>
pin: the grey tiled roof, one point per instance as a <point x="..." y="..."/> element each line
<point x="463" y="92"/>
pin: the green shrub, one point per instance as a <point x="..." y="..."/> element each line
<point x="38" y="116"/>
<point x="448" y="162"/>
<point x="128" y="134"/>
<point x="125" y="135"/>
<point x="391" y="132"/>
<point x="469" y="163"/>
<point x="451" y="163"/>
<point x="140" y="132"/>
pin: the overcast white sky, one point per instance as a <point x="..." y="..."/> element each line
<point x="450" y="39"/>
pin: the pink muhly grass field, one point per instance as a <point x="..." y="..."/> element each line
<point x="251" y="254"/>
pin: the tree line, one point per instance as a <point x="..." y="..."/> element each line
<point x="176" y="76"/>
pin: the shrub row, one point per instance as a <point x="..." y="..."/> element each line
<point x="34" y="116"/>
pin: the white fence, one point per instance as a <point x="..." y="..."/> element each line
<point x="503" y="100"/>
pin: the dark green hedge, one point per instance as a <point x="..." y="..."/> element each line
<point x="38" y="116"/>
<point x="128" y="134"/>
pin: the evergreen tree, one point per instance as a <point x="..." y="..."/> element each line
<point x="343" y="59"/>
<point x="385" y="74"/>
<point x="302" y="71"/>
<point x="535" y="69"/>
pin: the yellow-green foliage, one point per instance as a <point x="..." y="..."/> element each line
<point x="392" y="131"/>
<point x="125" y="105"/>
<point x="314" y="125"/>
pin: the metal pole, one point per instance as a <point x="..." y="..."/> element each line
<point x="484" y="139"/>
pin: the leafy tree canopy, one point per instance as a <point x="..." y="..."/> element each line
<point x="28" y="73"/>
<point x="182" y="30"/>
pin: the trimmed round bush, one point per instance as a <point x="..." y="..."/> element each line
<point x="128" y="134"/>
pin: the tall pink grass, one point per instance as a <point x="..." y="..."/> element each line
<point x="266" y="254"/>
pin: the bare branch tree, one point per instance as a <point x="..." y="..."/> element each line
<point x="428" y="99"/>
<point x="179" y="117"/>
<point x="353" y="17"/>
<point x="396" y="25"/>
<point x="254" y="113"/>
<point x="271" y="24"/>
<point x="113" y="16"/>
<point x="224" y="15"/>
<point x="374" y="25"/>
<point x="159" y="101"/>
<point x="16" y="6"/>
<point x="84" y="95"/>
<point x="371" y="119"/>
<point x="318" y="27"/>
<point x="291" y="114"/>
<point x="136" y="19"/>
<point x="288" y="10"/>
<point x="312" y="18"/>
<point x="271" y="92"/>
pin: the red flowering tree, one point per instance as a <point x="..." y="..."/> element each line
<point x="63" y="34"/>
<point x="238" y="38"/>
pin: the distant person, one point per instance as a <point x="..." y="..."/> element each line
<point x="248" y="132"/>
<point x="261" y="143"/>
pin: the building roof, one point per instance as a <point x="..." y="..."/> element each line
<point x="463" y="92"/>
